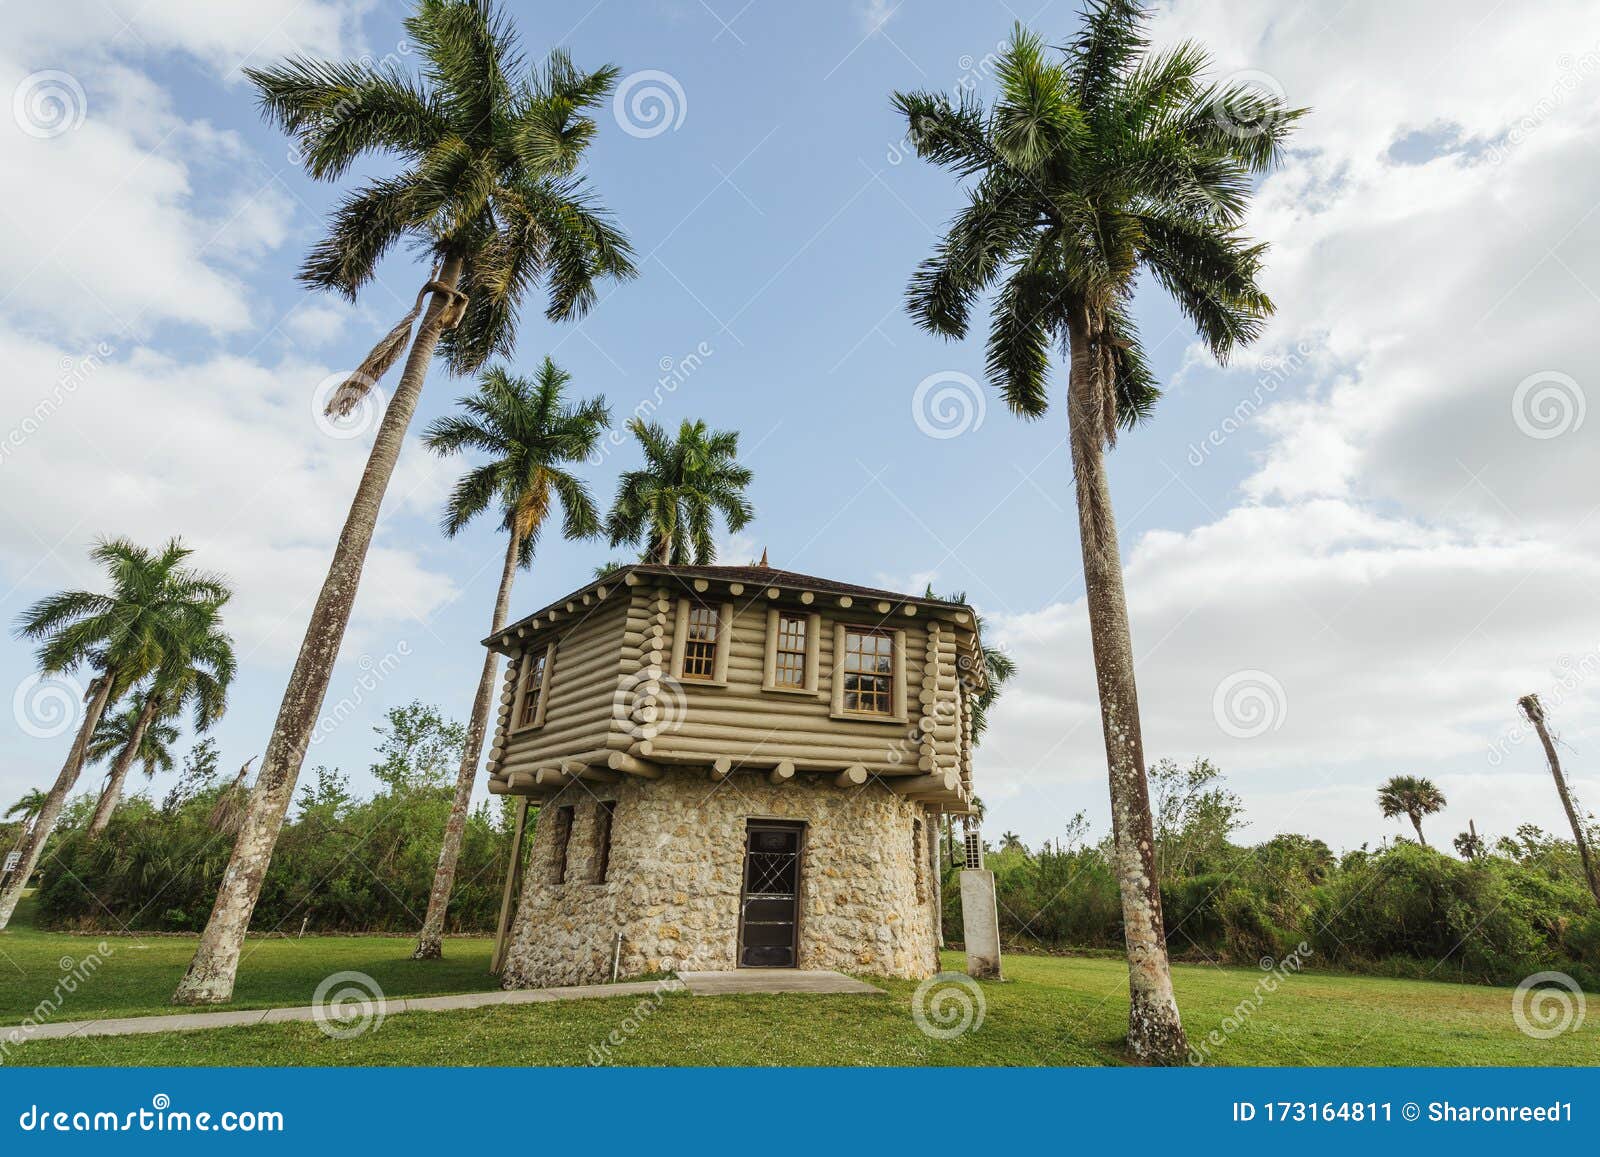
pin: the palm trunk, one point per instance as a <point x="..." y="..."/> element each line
<point x="211" y="973"/>
<point x="1416" y="822"/>
<point x="111" y="795"/>
<point x="1534" y="710"/>
<point x="430" y="941"/>
<point x="33" y="843"/>
<point x="1155" y="1031"/>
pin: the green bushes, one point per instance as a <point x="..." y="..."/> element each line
<point x="341" y="864"/>
<point x="1404" y="911"/>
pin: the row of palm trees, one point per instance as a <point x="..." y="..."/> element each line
<point x="1096" y="163"/>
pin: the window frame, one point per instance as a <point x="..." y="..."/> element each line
<point x="724" y="639"/>
<point x="813" y="647"/>
<point x="548" y="654"/>
<point x="897" y="679"/>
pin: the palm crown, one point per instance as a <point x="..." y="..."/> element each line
<point x="116" y="731"/>
<point x="531" y="435"/>
<point x="1095" y="164"/>
<point x="1410" y="795"/>
<point x="671" y="503"/>
<point x="149" y="616"/>
<point x="490" y="146"/>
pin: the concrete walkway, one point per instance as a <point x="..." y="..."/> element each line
<point x="695" y="983"/>
<point x="183" y="1021"/>
<point x="772" y="980"/>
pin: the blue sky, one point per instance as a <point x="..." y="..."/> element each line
<point x="1374" y="549"/>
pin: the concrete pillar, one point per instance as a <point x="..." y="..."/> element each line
<point x="980" y="923"/>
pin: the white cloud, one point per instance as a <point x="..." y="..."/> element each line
<point x="1405" y="558"/>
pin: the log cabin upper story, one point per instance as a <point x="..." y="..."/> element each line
<point x="738" y="670"/>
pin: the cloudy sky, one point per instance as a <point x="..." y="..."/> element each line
<point x="1347" y="553"/>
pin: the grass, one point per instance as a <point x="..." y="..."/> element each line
<point x="1050" y="1011"/>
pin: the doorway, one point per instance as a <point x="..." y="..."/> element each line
<point x="769" y="909"/>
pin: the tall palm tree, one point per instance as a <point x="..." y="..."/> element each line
<point x="1097" y="163"/>
<point x="122" y="636"/>
<point x="531" y="436"/>
<point x="488" y="190"/>
<point x="670" y="504"/>
<point x="1411" y="796"/>
<point x="195" y="671"/>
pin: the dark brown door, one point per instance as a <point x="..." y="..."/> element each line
<point x="770" y="906"/>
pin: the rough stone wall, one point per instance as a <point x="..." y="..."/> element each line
<point x="673" y="884"/>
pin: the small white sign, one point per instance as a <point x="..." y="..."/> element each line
<point x="12" y="860"/>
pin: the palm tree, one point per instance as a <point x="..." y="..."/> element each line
<point x="998" y="666"/>
<point x="1097" y="164"/>
<point x="531" y="436"/>
<point x="488" y="189"/>
<point x="671" y="503"/>
<point x="122" y="637"/>
<point x="30" y="805"/>
<point x="196" y="670"/>
<point x="1411" y="796"/>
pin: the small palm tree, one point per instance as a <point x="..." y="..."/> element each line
<point x="123" y="637"/>
<point x="147" y="742"/>
<point x="488" y="189"/>
<point x="670" y="504"/>
<point x="24" y="811"/>
<point x="1096" y="165"/>
<point x="999" y="668"/>
<point x="196" y="671"/>
<point x="531" y="436"/>
<point x="1411" y="796"/>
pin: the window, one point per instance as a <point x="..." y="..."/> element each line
<point x="700" y="643"/>
<point x="532" y="689"/>
<point x="868" y="671"/>
<point x="605" y="812"/>
<point x="531" y="699"/>
<point x="562" y="837"/>
<point x="789" y="668"/>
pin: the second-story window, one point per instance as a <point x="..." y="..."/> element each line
<point x="532" y="688"/>
<point x="789" y="663"/>
<point x="700" y="643"/>
<point x="868" y="671"/>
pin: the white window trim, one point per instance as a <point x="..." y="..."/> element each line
<point x="769" y="667"/>
<point x="522" y="689"/>
<point x="680" y="639"/>
<point x="897" y="688"/>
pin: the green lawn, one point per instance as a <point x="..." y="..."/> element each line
<point x="1060" y="1011"/>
